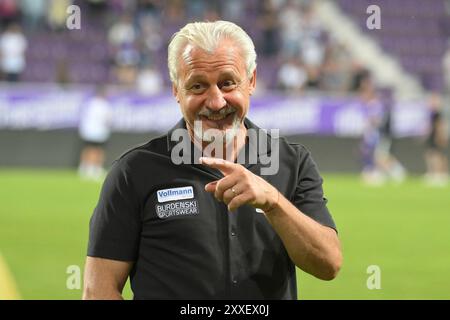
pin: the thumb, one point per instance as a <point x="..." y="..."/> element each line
<point x="211" y="187"/>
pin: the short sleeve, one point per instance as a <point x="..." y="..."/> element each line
<point x="308" y="196"/>
<point x="115" y="225"/>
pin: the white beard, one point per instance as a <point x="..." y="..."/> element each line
<point x="211" y="134"/>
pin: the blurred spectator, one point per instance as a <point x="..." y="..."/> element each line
<point x="313" y="73"/>
<point x="174" y="13"/>
<point x="292" y="76"/>
<point x="269" y="26"/>
<point x="290" y="20"/>
<point x="150" y="8"/>
<point x="365" y="88"/>
<point x="211" y="14"/>
<point x="436" y="144"/>
<point x="337" y="68"/>
<point x="195" y="9"/>
<point x="122" y="32"/>
<point x="149" y="81"/>
<point x="232" y="10"/>
<point x="148" y="19"/>
<point x="311" y="33"/>
<point x="379" y="163"/>
<point x="301" y="37"/>
<point x="387" y="163"/>
<point x="13" y="45"/>
<point x="94" y="130"/>
<point x="97" y="5"/>
<point x="150" y="39"/>
<point x="122" y="38"/>
<point x="312" y="54"/>
<point x="359" y="81"/>
<point x="33" y="12"/>
<point x="57" y="13"/>
<point x="98" y="10"/>
<point x="137" y="29"/>
<point x="119" y="7"/>
<point x="312" y="48"/>
<point x="9" y="12"/>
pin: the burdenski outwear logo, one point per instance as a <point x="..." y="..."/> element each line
<point x="177" y="208"/>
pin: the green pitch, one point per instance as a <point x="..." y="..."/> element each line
<point x="402" y="229"/>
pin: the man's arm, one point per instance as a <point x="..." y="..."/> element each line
<point x="314" y="248"/>
<point x="104" y="279"/>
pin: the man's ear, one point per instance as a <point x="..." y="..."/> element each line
<point x="252" y="85"/>
<point x="175" y="91"/>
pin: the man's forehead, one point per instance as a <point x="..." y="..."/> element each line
<point x="196" y="75"/>
<point x="226" y="58"/>
<point x="225" y="53"/>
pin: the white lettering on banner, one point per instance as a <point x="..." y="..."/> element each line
<point x="46" y="111"/>
<point x="134" y="117"/>
<point x="292" y="115"/>
<point x="349" y="121"/>
<point x="47" y="107"/>
<point x="175" y="194"/>
<point x="409" y="120"/>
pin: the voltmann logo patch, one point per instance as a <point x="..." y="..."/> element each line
<point x="175" y="194"/>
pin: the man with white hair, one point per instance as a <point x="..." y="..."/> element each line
<point x="215" y="227"/>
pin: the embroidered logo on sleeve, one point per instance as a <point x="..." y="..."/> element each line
<point x="173" y="194"/>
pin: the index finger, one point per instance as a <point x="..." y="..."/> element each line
<point x="224" y="166"/>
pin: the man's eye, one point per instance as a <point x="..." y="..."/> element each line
<point x="227" y="85"/>
<point x="197" y="88"/>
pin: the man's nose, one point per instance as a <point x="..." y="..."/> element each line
<point x="215" y="99"/>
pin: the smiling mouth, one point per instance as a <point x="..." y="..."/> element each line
<point x="219" y="121"/>
<point x="218" y="116"/>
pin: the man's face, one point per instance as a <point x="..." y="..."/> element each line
<point x="214" y="88"/>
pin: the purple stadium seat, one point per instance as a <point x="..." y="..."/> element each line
<point x="412" y="30"/>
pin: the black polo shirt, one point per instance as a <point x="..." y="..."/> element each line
<point x="187" y="245"/>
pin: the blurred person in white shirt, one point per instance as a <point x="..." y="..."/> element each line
<point x="94" y="131"/>
<point x="13" y="45"/>
<point x="292" y="76"/>
<point x="149" y="81"/>
<point x="33" y="13"/>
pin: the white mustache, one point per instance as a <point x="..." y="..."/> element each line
<point x="221" y="112"/>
